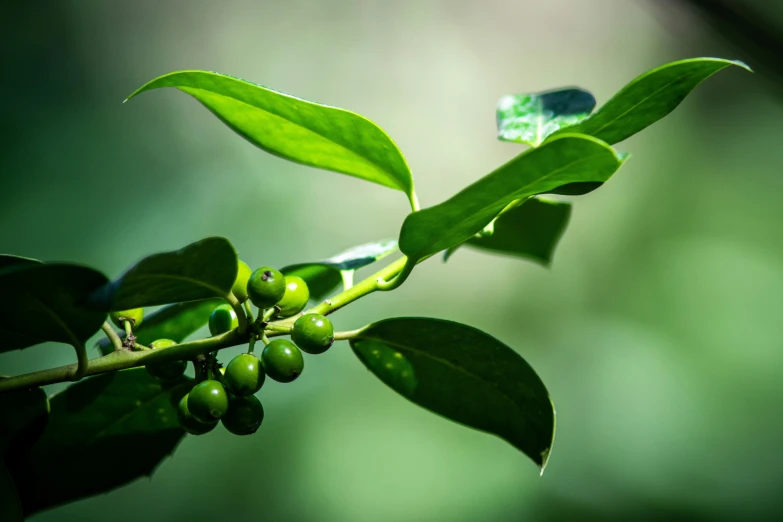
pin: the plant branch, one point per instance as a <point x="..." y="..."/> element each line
<point x="125" y="359"/>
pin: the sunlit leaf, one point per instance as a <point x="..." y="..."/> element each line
<point x="201" y="270"/>
<point x="463" y="374"/>
<point x="530" y="118"/>
<point x="103" y="432"/>
<point x="649" y="98"/>
<point x="559" y="161"/>
<point x="296" y="129"/>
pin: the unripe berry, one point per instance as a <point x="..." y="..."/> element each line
<point x="240" y="284"/>
<point x="208" y="401"/>
<point x="295" y="298"/>
<point x="265" y="287"/>
<point x="283" y="361"/>
<point x="313" y="333"/>
<point x="222" y="319"/>
<point x="166" y="371"/>
<point x="244" y="375"/>
<point x="135" y="316"/>
<point x="244" y="415"/>
<point x="189" y="423"/>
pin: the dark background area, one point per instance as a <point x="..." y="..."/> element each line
<point x="657" y="330"/>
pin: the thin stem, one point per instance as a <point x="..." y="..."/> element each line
<point x="140" y="347"/>
<point x="390" y="284"/>
<point x="237" y="306"/>
<point x="116" y="342"/>
<point x="128" y="328"/>
<point x="344" y="336"/>
<point x="251" y="344"/>
<point x="264" y="338"/>
<point x="279" y="328"/>
<point x="248" y="310"/>
<point x="347" y="276"/>
<point x="82" y="364"/>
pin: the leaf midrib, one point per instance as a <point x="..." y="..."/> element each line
<point x="356" y="154"/>
<point x="524" y="187"/>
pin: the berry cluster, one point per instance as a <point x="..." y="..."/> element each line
<point x="228" y="394"/>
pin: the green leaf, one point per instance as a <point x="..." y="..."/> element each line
<point x="463" y="374"/>
<point x="530" y="118"/>
<point x="10" y="505"/>
<point x="295" y="129"/>
<point x="45" y="302"/>
<point x="103" y="432"/>
<point x="175" y="322"/>
<point x="530" y="231"/>
<point x="201" y="270"/>
<point x="9" y="261"/>
<point x="649" y="98"/>
<point x="559" y="161"/>
<point x="322" y="277"/>
<point x="23" y="416"/>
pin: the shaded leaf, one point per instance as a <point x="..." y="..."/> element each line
<point x="463" y="374"/>
<point x="559" y="161"/>
<point x="648" y="98"/>
<point x="9" y="261"/>
<point x="23" y="417"/>
<point x="530" y="118"/>
<point x="201" y="270"/>
<point x="175" y="322"/>
<point x="295" y="129"/>
<point x="103" y="432"/>
<point x="322" y="277"/>
<point x="10" y="505"/>
<point x="530" y="230"/>
<point x="44" y="302"/>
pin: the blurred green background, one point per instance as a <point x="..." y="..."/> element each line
<point x="657" y="330"/>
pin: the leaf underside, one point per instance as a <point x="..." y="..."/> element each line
<point x="530" y="231"/>
<point x="464" y="375"/>
<point x="103" y="432"/>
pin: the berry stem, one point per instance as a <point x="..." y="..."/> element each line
<point x="116" y="342"/>
<point x="237" y="306"/>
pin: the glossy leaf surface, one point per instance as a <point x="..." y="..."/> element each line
<point x="175" y="322"/>
<point x="530" y="231"/>
<point x="648" y="98"/>
<point x="295" y="129"/>
<point x="560" y="161"/>
<point x="463" y="374"/>
<point x="530" y="118"/>
<point x="23" y="417"/>
<point x="44" y="302"/>
<point x="201" y="270"/>
<point x="324" y="276"/>
<point x="103" y="432"/>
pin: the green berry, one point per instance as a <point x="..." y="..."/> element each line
<point x="166" y="371"/>
<point x="222" y="319"/>
<point x="135" y="316"/>
<point x="283" y="361"/>
<point x="313" y="333"/>
<point x="265" y="287"/>
<point x="244" y="415"/>
<point x="244" y="375"/>
<point x="189" y="422"/>
<point x="208" y="401"/>
<point x="240" y="284"/>
<point x="295" y="298"/>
